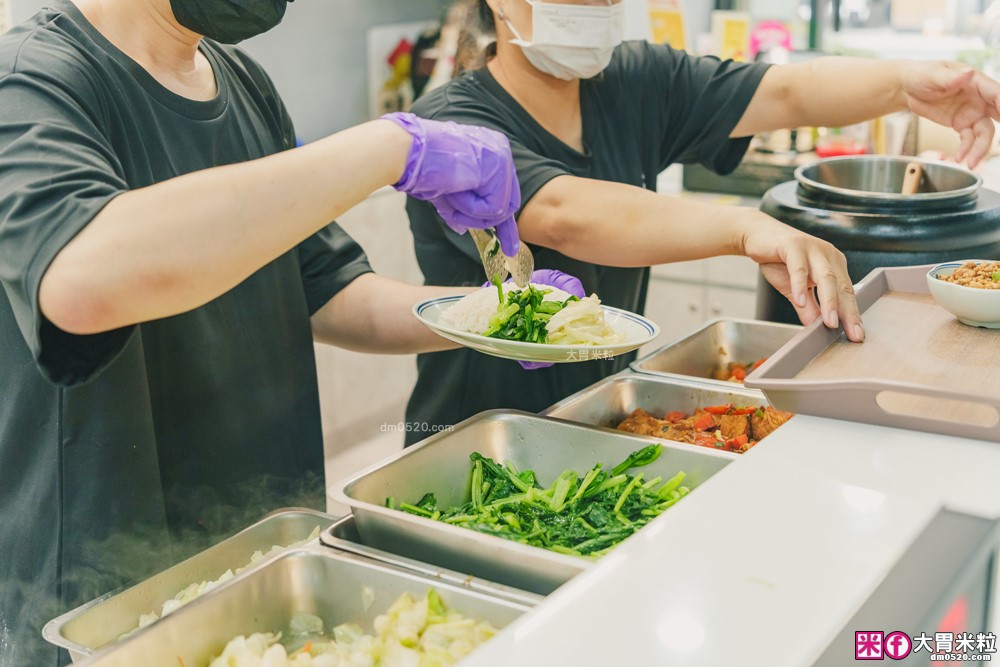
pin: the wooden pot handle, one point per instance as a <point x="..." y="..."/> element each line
<point x="911" y="179"/>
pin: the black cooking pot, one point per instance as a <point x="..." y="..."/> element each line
<point x="856" y="204"/>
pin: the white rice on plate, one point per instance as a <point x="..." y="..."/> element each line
<point x="473" y="312"/>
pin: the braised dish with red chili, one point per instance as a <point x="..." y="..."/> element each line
<point x="731" y="428"/>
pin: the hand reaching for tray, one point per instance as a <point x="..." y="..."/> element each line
<point x="795" y="263"/>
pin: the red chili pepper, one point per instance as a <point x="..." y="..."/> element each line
<point x="719" y="409"/>
<point x="745" y="410"/>
<point x="739" y="373"/>
<point x="758" y="363"/>
<point x="738" y="441"/>
<point x="674" y="417"/>
<point x="706" y="440"/>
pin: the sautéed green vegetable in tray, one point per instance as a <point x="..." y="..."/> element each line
<point x="580" y="515"/>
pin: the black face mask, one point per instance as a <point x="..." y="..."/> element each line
<point x="229" y="21"/>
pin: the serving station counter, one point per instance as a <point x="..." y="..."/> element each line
<point x="740" y="577"/>
<point x="777" y="557"/>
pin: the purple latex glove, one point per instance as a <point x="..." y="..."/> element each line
<point x="559" y="280"/>
<point x="553" y="278"/>
<point x="466" y="172"/>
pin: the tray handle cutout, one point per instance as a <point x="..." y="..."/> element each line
<point x="946" y="410"/>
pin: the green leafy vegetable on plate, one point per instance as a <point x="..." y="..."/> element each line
<point x="523" y="315"/>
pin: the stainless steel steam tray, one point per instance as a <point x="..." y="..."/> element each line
<point x="344" y="536"/>
<point x="102" y="621"/>
<point x="713" y="346"/>
<point x="336" y="586"/>
<point x="610" y="401"/>
<point x="441" y="465"/>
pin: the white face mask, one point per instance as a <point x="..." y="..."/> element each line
<point x="571" y="41"/>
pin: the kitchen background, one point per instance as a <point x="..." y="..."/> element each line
<point x="329" y="59"/>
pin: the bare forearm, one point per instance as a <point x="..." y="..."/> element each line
<point x="827" y="92"/>
<point x="374" y="314"/>
<point x="620" y="225"/>
<point x="174" y="246"/>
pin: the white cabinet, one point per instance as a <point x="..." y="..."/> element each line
<point x="685" y="295"/>
<point x="730" y="302"/>
<point x="678" y="308"/>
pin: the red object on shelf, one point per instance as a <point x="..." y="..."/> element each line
<point x="403" y="48"/>
<point x="836" y="149"/>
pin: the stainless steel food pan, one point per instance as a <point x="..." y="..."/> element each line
<point x="713" y="346"/>
<point x="610" y="401"/>
<point x="441" y="465"/>
<point x="102" y="621"/>
<point x="344" y="536"/>
<point x="337" y="587"/>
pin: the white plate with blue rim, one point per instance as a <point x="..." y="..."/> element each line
<point x="637" y="331"/>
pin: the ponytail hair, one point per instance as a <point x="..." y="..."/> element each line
<point x="477" y="40"/>
<point x="487" y="23"/>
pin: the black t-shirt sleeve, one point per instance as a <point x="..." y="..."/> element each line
<point x="692" y="103"/>
<point x="57" y="172"/>
<point x="330" y="260"/>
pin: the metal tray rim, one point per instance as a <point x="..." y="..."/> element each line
<point x="655" y="378"/>
<point x="637" y="366"/>
<point x="314" y="548"/>
<point x="341" y="496"/>
<point x="434" y="572"/>
<point x="52" y="630"/>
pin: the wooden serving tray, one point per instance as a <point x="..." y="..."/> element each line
<point x="919" y="367"/>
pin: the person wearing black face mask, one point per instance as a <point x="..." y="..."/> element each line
<point x="166" y="262"/>
<point x="230" y="21"/>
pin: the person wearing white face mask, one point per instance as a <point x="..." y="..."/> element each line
<point x="593" y="121"/>
<point x="572" y="41"/>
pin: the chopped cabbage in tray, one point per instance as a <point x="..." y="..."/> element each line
<point x="414" y="632"/>
<point x="194" y="591"/>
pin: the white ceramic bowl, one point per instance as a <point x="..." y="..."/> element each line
<point x="971" y="305"/>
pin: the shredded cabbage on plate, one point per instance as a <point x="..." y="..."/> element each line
<point x="526" y="316"/>
<point x="414" y="632"/>
<point x="582" y="323"/>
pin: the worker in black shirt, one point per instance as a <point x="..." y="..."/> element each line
<point x="166" y="264"/>
<point x="593" y="122"/>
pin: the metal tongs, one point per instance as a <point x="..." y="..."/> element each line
<point x="497" y="264"/>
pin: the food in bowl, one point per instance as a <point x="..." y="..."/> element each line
<point x="536" y="314"/>
<point x="414" y="631"/>
<point x="983" y="275"/>
<point x="964" y="289"/>
<point x="728" y="427"/>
